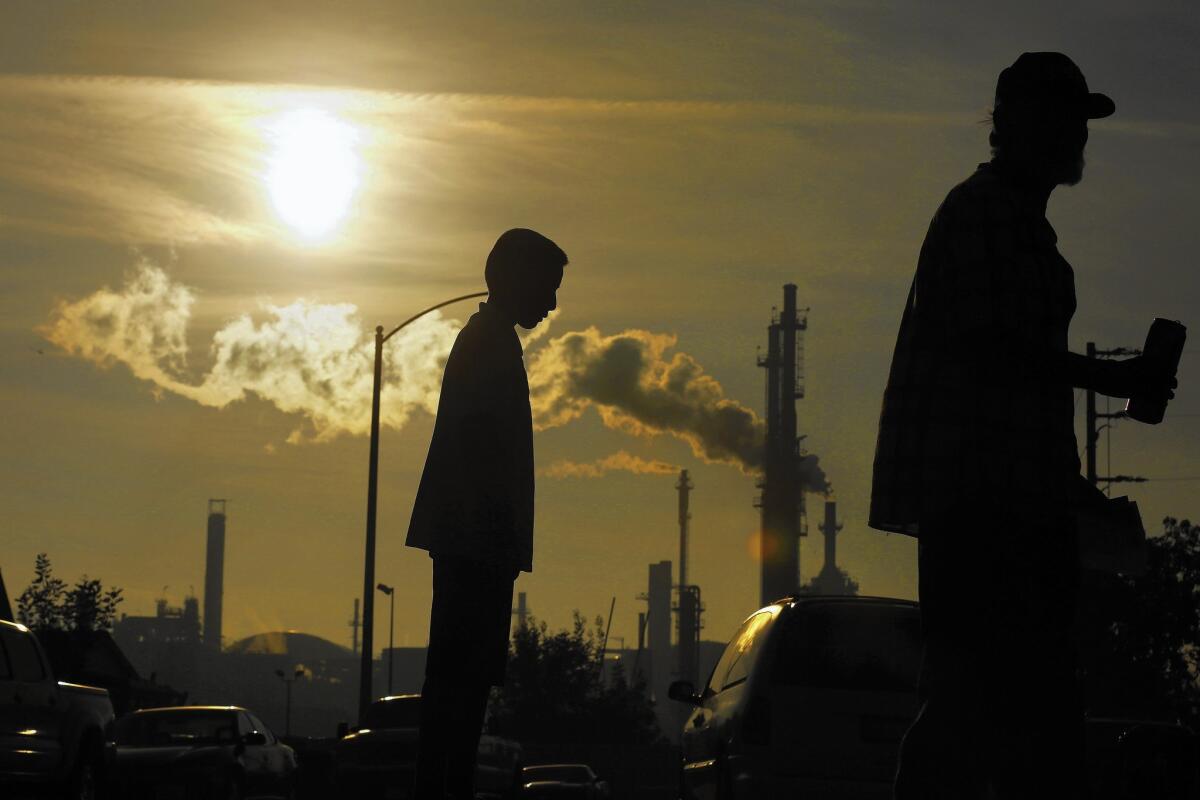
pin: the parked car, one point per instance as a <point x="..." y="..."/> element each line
<point x="51" y="732"/>
<point x="379" y="758"/>
<point x="1136" y="758"/>
<point x="199" y="751"/>
<point x="562" y="780"/>
<point x="810" y="698"/>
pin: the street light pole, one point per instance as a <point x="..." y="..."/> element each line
<point x="368" y="596"/>
<point x="287" y="714"/>
<point x="390" y="591"/>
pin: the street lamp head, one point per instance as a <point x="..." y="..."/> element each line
<point x="385" y="588"/>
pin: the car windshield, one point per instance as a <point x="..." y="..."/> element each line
<point x="396" y="712"/>
<point x="567" y="773"/>
<point x="846" y="645"/>
<point x="174" y="728"/>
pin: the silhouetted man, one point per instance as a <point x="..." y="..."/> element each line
<point x="977" y="457"/>
<point x="474" y="508"/>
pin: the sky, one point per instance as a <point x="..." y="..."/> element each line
<point x="206" y="209"/>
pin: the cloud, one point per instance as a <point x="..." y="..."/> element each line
<point x="620" y="460"/>
<point x="311" y="359"/>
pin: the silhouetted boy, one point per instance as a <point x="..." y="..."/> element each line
<point x="474" y="508"/>
<point x="977" y="457"/>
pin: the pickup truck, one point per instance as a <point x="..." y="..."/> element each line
<point x="52" y="733"/>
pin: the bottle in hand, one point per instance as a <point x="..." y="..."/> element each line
<point x="1164" y="346"/>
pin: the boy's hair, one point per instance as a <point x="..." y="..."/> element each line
<point x="517" y="254"/>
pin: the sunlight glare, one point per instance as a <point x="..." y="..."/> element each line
<point x="313" y="172"/>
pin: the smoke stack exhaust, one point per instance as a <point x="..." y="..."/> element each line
<point x="830" y="529"/>
<point x="214" y="574"/>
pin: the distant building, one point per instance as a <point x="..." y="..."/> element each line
<point x="165" y="647"/>
<point x="170" y="647"/>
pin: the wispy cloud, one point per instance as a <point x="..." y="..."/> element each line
<point x="619" y="461"/>
<point x="147" y="160"/>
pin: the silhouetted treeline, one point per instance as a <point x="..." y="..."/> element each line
<point x="1141" y="636"/>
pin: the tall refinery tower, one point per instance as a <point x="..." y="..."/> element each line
<point x="782" y="498"/>
<point x="690" y="608"/>
<point x="214" y="574"/>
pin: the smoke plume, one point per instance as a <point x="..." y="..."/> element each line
<point x="620" y="460"/>
<point x="637" y="388"/>
<point x="315" y="360"/>
<point x="306" y="358"/>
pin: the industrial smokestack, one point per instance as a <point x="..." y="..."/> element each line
<point x="688" y="610"/>
<point x="659" y="636"/>
<point x="830" y="529"/>
<point x="214" y="574"/>
<point x="522" y="611"/>
<point x="786" y="472"/>
<point x="684" y="486"/>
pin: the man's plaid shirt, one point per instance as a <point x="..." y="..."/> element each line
<point x="972" y="420"/>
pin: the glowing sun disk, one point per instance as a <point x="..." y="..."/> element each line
<point x="313" y="173"/>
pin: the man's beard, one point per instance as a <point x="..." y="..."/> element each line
<point x="1071" y="172"/>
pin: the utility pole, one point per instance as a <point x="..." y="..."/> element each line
<point x="1092" y="433"/>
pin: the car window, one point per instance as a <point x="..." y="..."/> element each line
<point x="244" y="724"/>
<point x="863" y="646"/>
<point x="566" y="773"/>
<point x="189" y="727"/>
<point x="739" y="656"/>
<point x="261" y="727"/>
<point x="23" y="658"/>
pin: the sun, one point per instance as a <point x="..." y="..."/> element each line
<point x="313" y="172"/>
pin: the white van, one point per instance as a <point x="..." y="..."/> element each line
<point x="810" y="699"/>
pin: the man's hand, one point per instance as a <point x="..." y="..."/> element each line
<point x="1138" y="376"/>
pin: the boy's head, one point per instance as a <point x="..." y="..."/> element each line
<point x="523" y="273"/>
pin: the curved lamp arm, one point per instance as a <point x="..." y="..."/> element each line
<point x="416" y="317"/>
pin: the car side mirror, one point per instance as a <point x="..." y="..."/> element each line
<point x="683" y="692"/>
<point x="254" y="738"/>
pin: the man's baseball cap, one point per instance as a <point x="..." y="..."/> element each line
<point x="1050" y="81"/>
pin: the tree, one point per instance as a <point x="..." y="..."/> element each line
<point x="40" y="605"/>
<point x="555" y="692"/>
<point x="88" y="606"/>
<point x="1142" y="636"/>
<point x="47" y="603"/>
